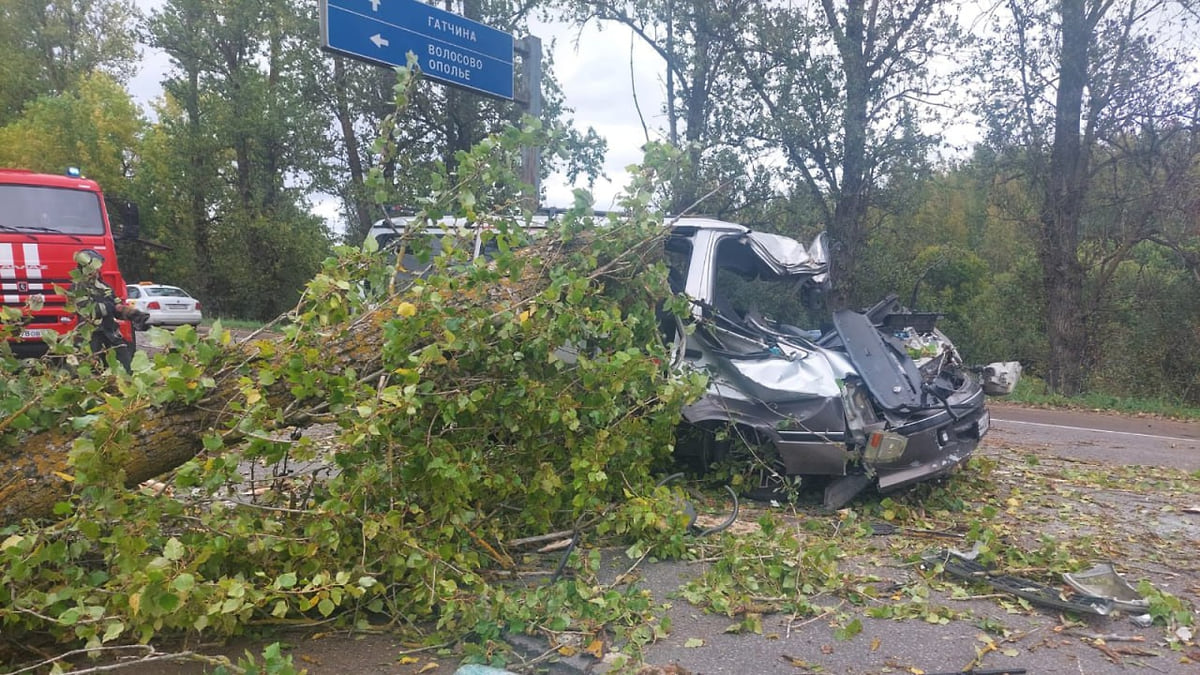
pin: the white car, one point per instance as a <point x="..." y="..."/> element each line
<point x="164" y="305"/>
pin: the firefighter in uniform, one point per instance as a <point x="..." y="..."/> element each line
<point x="98" y="305"/>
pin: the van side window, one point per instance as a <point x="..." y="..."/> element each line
<point x="679" y="258"/>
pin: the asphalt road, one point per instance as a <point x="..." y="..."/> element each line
<point x="1134" y="519"/>
<point x="1099" y="436"/>
<point x="1041" y="640"/>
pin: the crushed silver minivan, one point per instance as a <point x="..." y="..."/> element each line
<point x="872" y="397"/>
<point x="857" y="398"/>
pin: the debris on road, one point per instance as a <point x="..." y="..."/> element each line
<point x="1033" y="591"/>
<point x="1104" y="581"/>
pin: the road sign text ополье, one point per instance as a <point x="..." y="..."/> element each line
<point x="449" y="48"/>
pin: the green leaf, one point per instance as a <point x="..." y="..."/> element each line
<point x="70" y="616"/>
<point x="112" y="631"/>
<point x="167" y="602"/>
<point x="173" y="550"/>
<point x="849" y="630"/>
<point x="326" y="607"/>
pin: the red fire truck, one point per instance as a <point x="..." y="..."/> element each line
<point x="48" y="223"/>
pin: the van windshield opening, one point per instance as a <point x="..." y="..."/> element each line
<point x="49" y="210"/>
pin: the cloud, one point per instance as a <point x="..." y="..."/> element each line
<point x="607" y="76"/>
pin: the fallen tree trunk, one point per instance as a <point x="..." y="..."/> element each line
<point x="38" y="473"/>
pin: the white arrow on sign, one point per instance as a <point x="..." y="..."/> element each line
<point x="379" y="40"/>
<point x="374" y="5"/>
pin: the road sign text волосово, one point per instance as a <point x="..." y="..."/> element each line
<point x="449" y="48"/>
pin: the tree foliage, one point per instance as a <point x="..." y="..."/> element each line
<point x="765" y="103"/>
<point x="848" y="88"/>
<point x="1082" y="87"/>
<point x="51" y="46"/>
<point x="472" y="405"/>
<point x="93" y="126"/>
<point x="242" y="142"/>
<point x="794" y="116"/>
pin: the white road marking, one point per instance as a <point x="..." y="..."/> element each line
<point x="1100" y="431"/>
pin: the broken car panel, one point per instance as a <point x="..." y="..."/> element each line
<point x="883" y="397"/>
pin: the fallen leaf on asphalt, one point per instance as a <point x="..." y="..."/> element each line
<point x="796" y="661"/>
<point x="692" y="643"/>
<point x="875" y="644"/>
<point x="1106" y="650"/>
<point x="595" y="648"/>
<point x="428" y="667"/>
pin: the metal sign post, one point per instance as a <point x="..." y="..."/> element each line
<point x="530" y="48"/>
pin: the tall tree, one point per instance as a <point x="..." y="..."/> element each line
<point x="847" y="87"/>
<point x="50" y="45"/>
<point x="250" y="136"/>
<point x="696" y="42"/>
<point x="844" y="87"/>
<point x="1092" y="72"/>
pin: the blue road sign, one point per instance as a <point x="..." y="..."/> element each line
<point x="449" y="48"/>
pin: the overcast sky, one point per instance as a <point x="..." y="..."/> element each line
<point x="593" y="67"/>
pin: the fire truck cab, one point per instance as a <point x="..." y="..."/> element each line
<point x="45" y="222"/>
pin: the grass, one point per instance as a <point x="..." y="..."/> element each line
<point x="1034" y="391"/>
<point x="241" y="324"/>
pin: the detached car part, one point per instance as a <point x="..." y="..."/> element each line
<point x="1104" y="581"/>
<point x="1033" y="591"/>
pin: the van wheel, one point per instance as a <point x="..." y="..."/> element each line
<point x="741" y="455"/>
